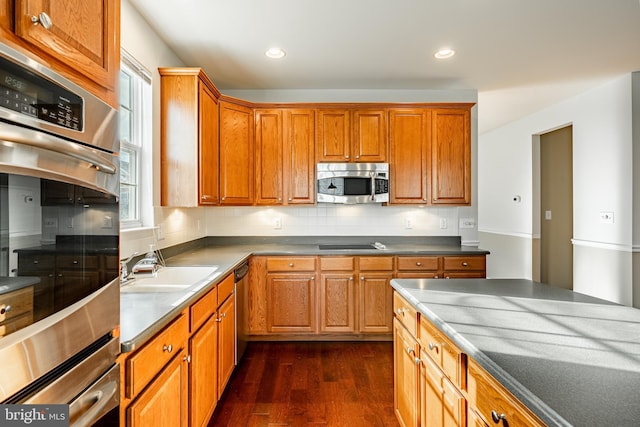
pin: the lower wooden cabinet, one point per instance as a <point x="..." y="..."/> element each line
<point x="337" y="294"/>
<point x="442" y="404"/>
<point x="291" y="303"/>
<point x="405" y="371"/>
<point x="178" y="376"/>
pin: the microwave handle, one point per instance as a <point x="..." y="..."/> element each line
<point x="373" y="186"/>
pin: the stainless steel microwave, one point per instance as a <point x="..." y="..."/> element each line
<point x="352" y="183"/>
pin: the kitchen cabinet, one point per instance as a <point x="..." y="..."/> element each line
<point x="351" y="135"/>
<point x="41" y="266"/>
<point x="78" y="39"/>
<point x="56" y="193"/>
<point x="337" y="303"/>
<point x="375" y="295"/>
<point x="16" y="310"/>
<point x="426" y="267"/>
<point x="491" y="403"/>
<point x="189" y="149"/>
<point x="405" y="371"/>
<point x="442" y="403"/>
<point x="284" y="156"/>
<point x="236" y="154"/>
<point x="226" y="340"/>
<point x="461" y="267"/>
<point x="409" y="156"/>
<point x="441" y="267"/>
<point x="450" y="156"/>
<point x="291" y="295"/>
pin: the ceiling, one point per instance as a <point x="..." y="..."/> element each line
<point x="520" y="56"/>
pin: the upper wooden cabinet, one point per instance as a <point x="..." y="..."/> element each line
<point x="77" y="38"/>
<point x="236" y="154"/>
<point x="188" y="138"/>
<point x="409" y="155"/>
<point x="284" y="156"/>
<point x="451" y="156"/>
<point x="430" y="156"/>
<point x="347" y="135"/>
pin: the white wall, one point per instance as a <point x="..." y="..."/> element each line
<point x="603" y="177"/>
<point x="182" y="225"/>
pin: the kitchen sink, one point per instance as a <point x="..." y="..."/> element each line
<point x="169" y="279"/>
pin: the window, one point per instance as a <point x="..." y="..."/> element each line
<point x="135" y="132"/>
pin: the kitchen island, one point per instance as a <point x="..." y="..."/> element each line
<point x="569" y="358"/>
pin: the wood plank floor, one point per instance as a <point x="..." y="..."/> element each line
<point x="310" y="384"/>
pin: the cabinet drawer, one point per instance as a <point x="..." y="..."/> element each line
<point x="202" y="309"/>
<point x="143" y="366"/>
<point x="35" y="263"/>
<point x="446" y="355"/>
<point x="378" y="263"/>
<point x="337" y="263"/>
<point x="16" y="303"/>
<point x="491" y="399"/>
<point x="69" y="262"/>
<point x="415" y="263"/>
<point x="291" y="264"/>
<point x="464" y="263"/>
<point x="225" y="288"/>
<point x="405" y="313"/>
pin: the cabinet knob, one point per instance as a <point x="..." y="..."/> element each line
<point x="35" y="261"/>
<point x="279" y="199"/>
<point x="167" y="348"/>
<point x="400" y="311"/>
<point x="75" y="261"/>
<point x="5" y="309"/>
<point x="351" y="278"/>
<point x="290" y="199"/>
<point x="42" y="19"/>
<point x="290" y="264"/>
<point x="187" y="358"/>
<point x="465" y="264"/>
<point x="357" y="157"/>
<point x="436" y="277"/>
<point x="418" y="263"/>
<point x="223" y="198"/>
<point x="498" y="417"/>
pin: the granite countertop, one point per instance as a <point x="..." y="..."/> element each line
<point x="572" y="359"/>
<point x="142" y="315"/>
<point x="10" y="284"/>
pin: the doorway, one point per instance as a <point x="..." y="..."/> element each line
<point x="556" y="208"/>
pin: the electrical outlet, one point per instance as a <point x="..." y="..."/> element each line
<point x="408" y="223"/>
<point x="107" y="222"/>
<point x="277" y="223"/>
<point x="606" y="217"/>
<point x="159" y="232"/>
<point x="467" y="222"/>
<point x="443" y="223"/>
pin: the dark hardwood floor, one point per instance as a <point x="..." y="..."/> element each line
<point x="310" y="384"/>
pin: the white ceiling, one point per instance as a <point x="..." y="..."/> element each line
<point x="519" y="55"/>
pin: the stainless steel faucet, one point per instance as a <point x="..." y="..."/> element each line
<point x="124" y="270"/>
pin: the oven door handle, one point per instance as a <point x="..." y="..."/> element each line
<point x="53" y="143"/>
<point x="99" y="399"/>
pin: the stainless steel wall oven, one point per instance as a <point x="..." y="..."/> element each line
<point x="59" y="290"/>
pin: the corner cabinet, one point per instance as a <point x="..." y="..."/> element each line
<point x="77" y="38"/>
<point x="188" y="138"/>
<point x="237" y="153"/>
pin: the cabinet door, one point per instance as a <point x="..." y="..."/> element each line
<point x="451" y="157"/>
<point x="226" y="341"/>
<point x="269" y="161"/>
<point x="208" y="147"/>
<point x="370" y="136"/>
<point x="333" y="137"/>
<point x="409" y="156"/>
<point x="441" y="403"/>
<point x="203" y="373"/>
<point x="56" y="193"/>
<point x="291" y="302"/>
<point x="405" y="370"/>
<point x="82" y="33"/>
<point x="299" y="159"/>
<point x="236" y="155"/>
<point x="375" y="298"/>
<point x="337" y="302"/>
<point x="164" y="402"/>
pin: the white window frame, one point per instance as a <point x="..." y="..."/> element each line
<point x="141" y="105"/>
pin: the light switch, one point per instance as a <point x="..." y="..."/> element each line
<point x="547" y="215"/>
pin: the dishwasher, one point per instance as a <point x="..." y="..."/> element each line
<point x="240" y="286"/>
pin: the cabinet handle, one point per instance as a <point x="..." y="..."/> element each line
<point x="417" y="361"/>
<point x="465" y="264"/>
<point x="167" y="348"/>
<point x="418" y="263"/>
<point x="42" y="19"/>
<point x="5" y="309"/>
<point x="187" y="358"/>
<point x="400" y="311"/>
<point x="410" y="351"/>
<point x="433" y="347"/>
<point x="290" y="199"/>
<point x="346" y="156"/>
<point x="498" y="417"/>
<point x="75" y="261"/>
<point x="35" y="261"/>
<point x="219" y="319"/>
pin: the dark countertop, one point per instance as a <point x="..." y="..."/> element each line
<point x="572" y="359"/>
<point x="142" y="315"/>
<point x="9" y="284"/>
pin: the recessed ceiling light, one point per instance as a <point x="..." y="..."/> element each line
<point x="275" y="53"/>
<point x="444" y="53"/>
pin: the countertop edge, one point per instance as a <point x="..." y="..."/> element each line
<point x="530" y="400"/>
